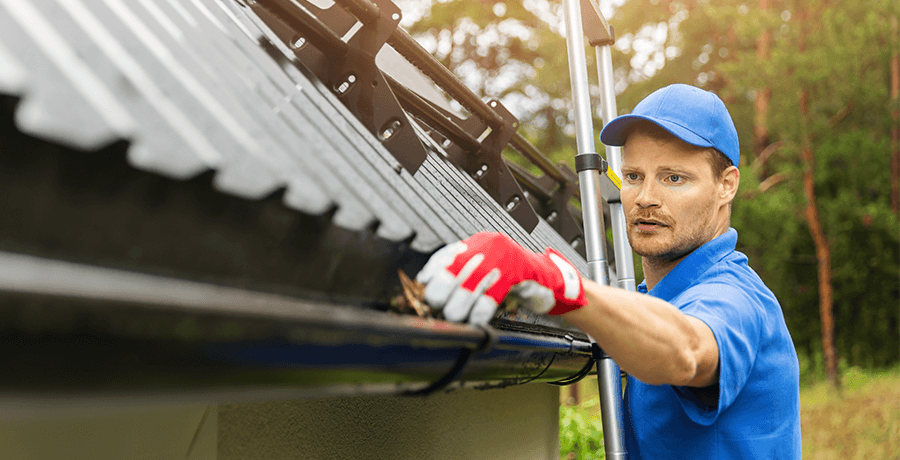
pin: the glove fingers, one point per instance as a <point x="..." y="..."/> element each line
<point x="474" y="305"/>
<point x="469" y="268"/>
<point x="458" y="306"/>
<point x="440" y="260"/>
<point x="483" y="311"/>
<point x="443" y="286"/>
<point x="438" y="290"/>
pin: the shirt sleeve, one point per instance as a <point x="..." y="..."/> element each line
<point x="736" y="322"/>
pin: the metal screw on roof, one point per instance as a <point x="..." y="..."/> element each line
<point x="298" y="43"/>
<point x="552" y="217"/>
<point x="345" y="86"/>
<point x="481" y="172"/>
<point x="390" y="129"/>
<point x="512" y="203"/>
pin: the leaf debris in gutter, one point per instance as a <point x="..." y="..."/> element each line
<point x="412" y="299"/>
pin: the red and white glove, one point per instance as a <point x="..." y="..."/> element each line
<point x="470" y="278"/>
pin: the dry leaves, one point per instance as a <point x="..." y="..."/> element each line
<point x="412" y="297"/>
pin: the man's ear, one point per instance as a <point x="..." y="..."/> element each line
<point x="729" y="182"/>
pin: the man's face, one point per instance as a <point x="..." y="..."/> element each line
<point x="671" y="200"/>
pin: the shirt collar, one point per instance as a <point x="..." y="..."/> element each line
<point x="684" y="274"/>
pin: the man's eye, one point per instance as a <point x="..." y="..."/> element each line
<point x="631" y="176"/>
<point x="676" y="178"/>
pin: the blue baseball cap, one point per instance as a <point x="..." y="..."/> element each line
<point x="691" y="114"/>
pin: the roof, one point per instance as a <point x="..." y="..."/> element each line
<point x="182" y="140"/>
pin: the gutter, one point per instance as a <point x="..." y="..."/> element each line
<point x="70" y="329"/>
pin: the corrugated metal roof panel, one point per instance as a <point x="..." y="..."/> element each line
<point x="66" y="100"/>
<point x="13" y="76"/>
<point x="197" y="86"/>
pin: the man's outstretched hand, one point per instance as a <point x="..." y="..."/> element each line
<point x="470" y="278"/>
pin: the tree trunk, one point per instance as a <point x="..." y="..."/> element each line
<point x="763" y="95"/>
<point x="823" y="259"/>
<point x="823" y="251"/>
<point x="895" y="126"/>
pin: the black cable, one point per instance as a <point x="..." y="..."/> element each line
<point x="465" y="354"/>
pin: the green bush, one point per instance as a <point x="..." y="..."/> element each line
<point x="580" y="431"/>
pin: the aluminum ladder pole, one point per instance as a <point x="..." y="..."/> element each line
<point x="591" y="182"/>
<point x="623" y="252"/>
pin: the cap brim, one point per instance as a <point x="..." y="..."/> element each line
<point x="616" y="131"/>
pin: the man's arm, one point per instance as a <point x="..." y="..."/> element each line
<point x="648" y="337"/>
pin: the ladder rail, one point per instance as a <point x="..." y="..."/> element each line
<point x="608" y="373"/>
<point x="622" y="248"/>
<point x="588" y="179"/>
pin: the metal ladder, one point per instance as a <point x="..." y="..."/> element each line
<point x="599" y="180"/>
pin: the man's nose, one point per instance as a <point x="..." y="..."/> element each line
<point x="648" y="195"/>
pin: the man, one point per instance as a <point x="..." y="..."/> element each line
<point x="712" y="369"/>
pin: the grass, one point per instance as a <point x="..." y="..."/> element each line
<point x="861" y="421"/>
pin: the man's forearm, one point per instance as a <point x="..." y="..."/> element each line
<point x="648" y="337"/>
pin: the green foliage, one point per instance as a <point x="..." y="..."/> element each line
<point x="581" y="432"/>
<point x="864" y="243"/>
<point x="845" y="78"/>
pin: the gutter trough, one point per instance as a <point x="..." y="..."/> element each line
<point x="70" y="329"/>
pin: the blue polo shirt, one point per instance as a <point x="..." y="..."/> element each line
<point x="754" y="410"/>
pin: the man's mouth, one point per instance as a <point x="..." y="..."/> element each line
<point x="648" y="224"/>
